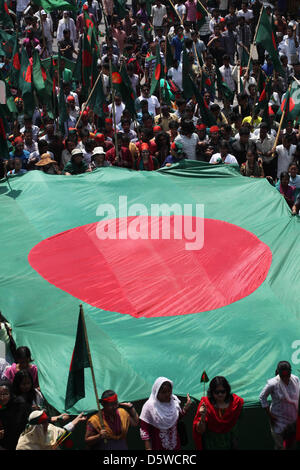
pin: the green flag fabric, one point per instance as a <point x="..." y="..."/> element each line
<point x="266" y="37"/>
<point x="239" y="321"/>
<point x="52" y="5"/>
<point x="200" y="15"/>
<point x="80" y="360"/>
<point x="5" y="19"/>
<point x="290" y="102"/>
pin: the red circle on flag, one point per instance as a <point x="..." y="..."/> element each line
<point x="154" y="276"/>
<point x="157" y="72"/>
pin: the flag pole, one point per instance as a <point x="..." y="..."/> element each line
<point x="180" y="19"/>
<point x="88" y="99"/>
<point x="91" y="364"/>
<point x="254" y="39"/>
<point x="280" y="124"/>
<point x="203" y="7"/>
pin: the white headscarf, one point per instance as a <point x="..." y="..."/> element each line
<point x="161" y="415"/>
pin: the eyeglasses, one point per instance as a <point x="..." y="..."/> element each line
<point x="219" y="392"/>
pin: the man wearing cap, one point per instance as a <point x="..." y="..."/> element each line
<point x="283" y="411"/>
<point x="76" y="165"/>
<point x="41" y="434"/>
<point x="47" y="26"/>
<point x="177" y="154"/>
<point x="98" y="158"/>
<point x="48" y="165"/>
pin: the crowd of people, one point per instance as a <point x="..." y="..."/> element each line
<point x="26" y="424"/>
<point x="166" y="123"/>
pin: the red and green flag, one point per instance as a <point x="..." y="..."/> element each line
<point x="7" y="43"/>
<point x="122" y="85"/>
<point x="206" y="83"/>
<point x="266" y="37"/>
<point x="201" y="14"/>
<point x="5" y="19"/>
<point x="53" y="5"/>
<point x="39" y="75"/>
<point x="80" y="360"/>
<point x="207" y="116"/>
<point x="25" y="82"/>
<point x="290" y="104"/>
<point x="204" y="377"/>
<point x="158" y="71"/>
<point x="120" y="8"/>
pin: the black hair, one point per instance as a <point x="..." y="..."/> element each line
<point x="214" y="383"/>
<point x="18" y="379"/>
<point x="283" y="365"/>
<point x="106" y="394"/>
<point x="23" y="352"/>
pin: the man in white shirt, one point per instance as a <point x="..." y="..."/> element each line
<point x="47" y="27"/>
<point x="248" y="14"/>
<point x="175" y="73"/>
<point x="227" y="73"/>
<point x="66" y="23"/>
<point x="153" y="103"/>
<point x="224" y="156"/>
<point x="119" y="108"/>
<point x="283" y="410"/>
<point x="285" y="154"/>
<point x="290" y="46"/>
<point x="158" y="12"/>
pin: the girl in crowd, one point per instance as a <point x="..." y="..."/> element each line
<point x="23" y="361"/>
<point x="13" y="417"/>
<point x="23" y="389"/>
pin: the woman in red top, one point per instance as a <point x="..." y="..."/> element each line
<point x="145" y="161"/>
<point x="160" y="415"/>
<point x="215" y="423"/>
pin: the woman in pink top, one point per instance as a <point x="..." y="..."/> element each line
<point x="23" y="361"/>
<point x="191" y="11"/>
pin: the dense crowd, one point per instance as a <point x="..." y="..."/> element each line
<point x="145" y="127"/>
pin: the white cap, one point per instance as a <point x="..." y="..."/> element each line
<point x="98" y="151"/>
<point x="76" y="152"/>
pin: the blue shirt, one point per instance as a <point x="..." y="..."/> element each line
<point x="177" y="44"/>
<point x="24" y="157"/>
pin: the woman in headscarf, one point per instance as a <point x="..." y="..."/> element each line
<point x="41" y="434"/>
<point x="110" y="434"/>
<point x="215" y="423"/>
<point x="160" y="415"/>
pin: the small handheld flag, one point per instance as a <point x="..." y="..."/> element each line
<point x="204" y="379"/>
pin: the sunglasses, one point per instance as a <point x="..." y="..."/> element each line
<point x="219" y="392"/>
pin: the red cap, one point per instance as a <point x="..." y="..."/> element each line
<point x="214" y="129"/>
<point x="144" y="146"/>
<point x="70" y="98"/>
<point x="156" y="128"/>
<point x="18" y="140"/>
<point x="99" y="138"/>
<point x="201" y="127"/>
<point x="108" y="120"/>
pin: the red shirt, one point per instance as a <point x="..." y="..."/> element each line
<point x="125" y="157"/>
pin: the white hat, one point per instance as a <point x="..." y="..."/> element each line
<point x="98" y="151"/>
<point x="43" y="12"/>
<point x="76" y="152"/>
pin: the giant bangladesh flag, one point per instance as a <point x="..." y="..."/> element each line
<point x="153" y="306"/>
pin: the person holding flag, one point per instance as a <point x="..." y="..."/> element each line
<point x="117" y="417"/>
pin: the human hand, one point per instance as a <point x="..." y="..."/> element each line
<point x="1" y="433"/>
